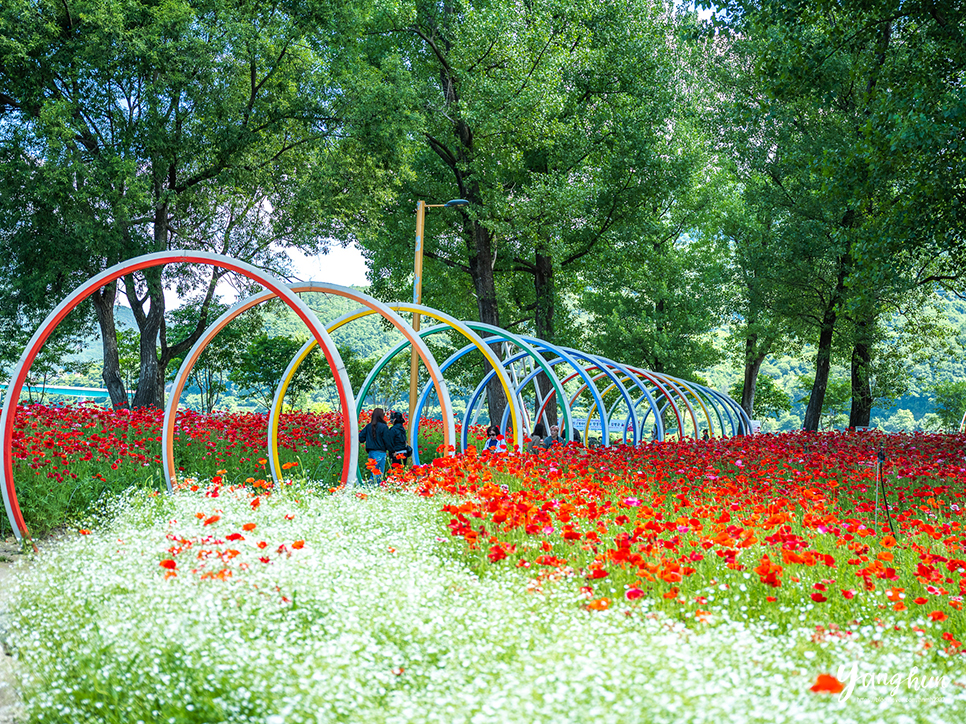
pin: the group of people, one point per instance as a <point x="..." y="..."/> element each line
<point x="388" y="445"/>
<point x="384" y="443"/>
<point x="540" y="440"/>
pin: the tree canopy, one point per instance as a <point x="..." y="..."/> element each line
<point x="661" y="190"/>
<point x="129" y="127"/>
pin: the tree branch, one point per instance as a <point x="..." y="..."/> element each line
<point x="448" y="262"/>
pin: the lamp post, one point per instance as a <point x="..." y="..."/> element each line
<point x="418" y="294"/>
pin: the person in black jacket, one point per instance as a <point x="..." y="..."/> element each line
<point x="536" y="439"/>
<point x="399" y="449"/>
<point x="376" y="437"/>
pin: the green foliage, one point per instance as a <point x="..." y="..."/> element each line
<point x="657" y="304"/>
<point x="60" y="360"/>
<point x="129" y="355"/>
<point x="258" y="369"/>
<point x="901" y="420"/>
<point x="770" y="399"/>
<point x="564" y="126"/>
<point x="368" y="336"/>
<point x="950" y="403"/>
<point x="844" y="216"/>
<point x="210" y="373"/>
<point x="206" y="125"/>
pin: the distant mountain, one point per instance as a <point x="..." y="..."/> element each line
<point x="91" y="347"/>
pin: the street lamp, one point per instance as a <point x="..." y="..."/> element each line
<point x="418" y="294"/>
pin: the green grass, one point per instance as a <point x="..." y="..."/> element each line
<point x="376" y="617"/>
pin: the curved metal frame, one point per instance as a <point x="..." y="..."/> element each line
<point x="468" y="330"/>
<point x="56" y="316"/>
<point x="374" y="306"/>
<point x="477" y="393"/>
<point x="622" y="377"/>
<point x="562" y="357"/>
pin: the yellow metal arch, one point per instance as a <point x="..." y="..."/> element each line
<point x="444" y="319"/>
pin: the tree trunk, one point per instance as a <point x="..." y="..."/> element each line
<point x="169" y="352"/>
<point x="103" y="300"/>
<point x="823" y="360"/>
<point x="823" y="365"/>
<point x="150" y="391"/>
<point x="545" y="290"/>
<point x="861" y="413"/>
<point x="657" y="363"/>
<point x="753" y="360"/>
<point x="480" y="253"/>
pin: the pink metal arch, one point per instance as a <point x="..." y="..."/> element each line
<point x="19" y="374"/>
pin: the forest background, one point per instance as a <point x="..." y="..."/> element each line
<point x="770" y="193"/>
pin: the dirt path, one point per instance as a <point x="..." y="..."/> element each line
<point x="11" y="710"/>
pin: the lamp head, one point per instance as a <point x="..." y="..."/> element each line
<point x="457" y="202"/>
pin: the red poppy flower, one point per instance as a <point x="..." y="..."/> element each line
<point x="827" y="684"/>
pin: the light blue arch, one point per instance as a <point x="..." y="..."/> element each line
<point x="474" y="397"/>
<point x="477" y="393"/>
<point x="476" y="327"/>
<point x="597" y="362"/>
<point x="603" y="364"/>
<point x="562" y="357"/>
<point x="672" y="383"/>
<point x="635" y="379"/>
<point x="650" y="376"/>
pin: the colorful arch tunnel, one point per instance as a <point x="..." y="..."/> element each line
<point x="592" y="394"/>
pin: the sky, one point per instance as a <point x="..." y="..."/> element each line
<point x="345" y="266"/>
<point x="340" y="266"/>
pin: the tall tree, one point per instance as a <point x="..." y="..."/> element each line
<point x="756" y="328"/>
<point x="130" y="127"/>
<point x="554" y="119"/>
<point x="660" y="290"/>
<point x="817" y="95"/>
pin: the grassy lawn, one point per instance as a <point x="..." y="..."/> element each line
<point x="738" y="580"/>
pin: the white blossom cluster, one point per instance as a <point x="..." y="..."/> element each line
<point x="376" y="618"/>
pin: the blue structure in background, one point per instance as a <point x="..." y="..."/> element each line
<point x="99" y="395"/>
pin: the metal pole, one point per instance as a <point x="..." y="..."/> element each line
<point x="417" y="299"/>
<point x="878" y="477"/>
<point x="880" y="458"/>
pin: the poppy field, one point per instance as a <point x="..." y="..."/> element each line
<point x="67" y="458"/>
<point x="745" y="579"/>
<point x="786" y="526"/>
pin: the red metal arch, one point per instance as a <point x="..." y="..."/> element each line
<point x="19" y="374"/>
